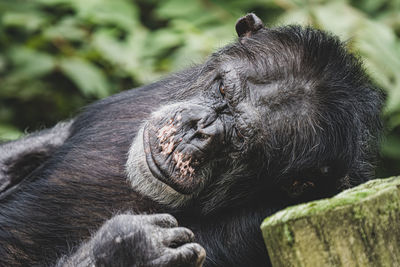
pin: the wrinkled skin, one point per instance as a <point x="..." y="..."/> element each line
<point x="279" y="117"/>
<point x="178" y="148"/>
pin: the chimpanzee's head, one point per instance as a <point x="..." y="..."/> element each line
<point x="285" y="110"/>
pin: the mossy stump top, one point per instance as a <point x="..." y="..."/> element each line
<point x="358" y="227"/>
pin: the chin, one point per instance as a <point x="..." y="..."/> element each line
<point x="145" y="182"/>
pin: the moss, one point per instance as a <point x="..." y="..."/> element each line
<point x="288" y="234"/>
<point x="357" y="227"/>
<point x="357" y="194"/>
<point x="390" y="207"/>
<point x="359" y="213"/>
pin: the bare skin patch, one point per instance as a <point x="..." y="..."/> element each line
<point x="167" y="143"/>
<point x="183" y="165"/>
<point x="166" y="136"/>
<point x="166" y="132"/>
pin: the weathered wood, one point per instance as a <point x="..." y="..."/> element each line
<point x="358" y="227"/>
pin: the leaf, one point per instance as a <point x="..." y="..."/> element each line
<point x="119" y="12"/>
<point x="178" y="8"/>
<point x="381" y="49"/>
<point x="53" y="2"/>
<point x="126" y="55"/>
<point x="296" y="16"/>
<point x="67" y="28"/>
<point x="391" y="147"/>
<point x="29" y="63"/>
<point x="327" y="17"/>
<point x="370" y="6"/>
<point x="89" y="78"/>
<point x="393" y="121"/>
<point x="8" y="133"/>
<point x="109" y="47"/>
<point x="29" y="21"/>
<point x="164" y="39"/>
<point x="3" y="63"/>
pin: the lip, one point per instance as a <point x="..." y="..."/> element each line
<point x="156" y="170"/>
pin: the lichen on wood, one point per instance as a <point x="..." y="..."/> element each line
<point x="358" y="227"/>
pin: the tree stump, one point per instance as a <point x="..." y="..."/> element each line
<point x="358" y="227"/>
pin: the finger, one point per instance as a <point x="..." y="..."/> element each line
<point x="192" y="254"/>
<point x="164" y="220"/>
<point x="177" y="236"/>
<point x="188" y="255"/>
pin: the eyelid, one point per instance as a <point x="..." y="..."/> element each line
<point x="221" y="88"/>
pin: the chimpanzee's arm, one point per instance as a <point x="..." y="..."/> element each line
<point x="19" y="158"/>
<point x="139" y="240"/>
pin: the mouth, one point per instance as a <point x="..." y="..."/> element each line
<point x="166" y="164"/>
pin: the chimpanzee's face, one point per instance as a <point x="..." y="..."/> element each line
<point x="214" y="133"/>
<point x="190" y="142"/>
<point x="223" y="133"/>
<point x="272" y="110"/>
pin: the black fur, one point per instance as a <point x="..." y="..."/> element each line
<point x="318" y="134"/>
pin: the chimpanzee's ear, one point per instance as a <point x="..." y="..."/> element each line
<point x="247" y="25"/>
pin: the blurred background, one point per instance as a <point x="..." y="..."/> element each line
<point x="58" y="55"/>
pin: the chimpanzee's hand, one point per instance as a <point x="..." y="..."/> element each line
<point x="139" y="240"/>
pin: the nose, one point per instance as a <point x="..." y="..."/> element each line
<point x="206" y="129"/>
<point x="203" y="133"/>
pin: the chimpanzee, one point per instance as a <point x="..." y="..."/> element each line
<point x="281" y="116"/>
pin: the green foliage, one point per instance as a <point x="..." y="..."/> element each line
<point x="58" y="55"/>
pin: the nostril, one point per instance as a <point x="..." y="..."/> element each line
<point x="194" y="125"/>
